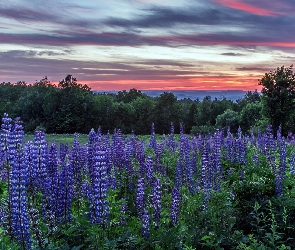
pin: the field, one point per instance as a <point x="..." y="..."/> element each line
<point x="219" y="191"/>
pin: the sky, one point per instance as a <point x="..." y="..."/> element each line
<point x="147" y="44"/>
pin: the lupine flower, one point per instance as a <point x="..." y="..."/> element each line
<point x="140" y="197"/>
<point x="40" y="160"/>
<point x="178" y="175"/>
<point x="123" y="211"/>
<point x="292" y="162"/>
<point x="175" y="206"/>
<point x="171" y="142"/>
<point x="153" y="141"/>
<point x="20" y="222"/>
<point x="156" y="199"/>
<point x="98" y="203"/>
<point x="150" y="169"/>
<point x="64" y="193"/>
<point x="206" y="177"/>
<point x="159" y="167"/>
<point x="280" y="174"/>
<point x="146" y="224"/>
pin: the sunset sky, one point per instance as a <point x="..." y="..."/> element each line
<point x="146" y="44"/>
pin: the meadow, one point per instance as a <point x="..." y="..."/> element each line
<point x="115" y="191"/>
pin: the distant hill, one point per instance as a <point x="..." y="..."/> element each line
<point x="194" y="94"/>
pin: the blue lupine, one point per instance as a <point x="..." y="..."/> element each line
<point x="150" y="169"/>
<point x="40" y="160"/>
<point x="178" y="175"/>
<point x="280" y="173"/>
<point x="20" y="222"/>
<point x="146" y="224"/>
<point x="98" y="198"/>
<point x="292" y="162"/>
<point x="6" y="127"/>
<point x="255" y="158"/>
<point x="123" y="211"/>
<point x="140" y="200"/>
<point x="153" y="141"/>
<point x="175" y="205"/>
<point x="156" y="199"/>
<point x="171" y="142"/>
<point x="206" y="177"/>
<point x="160" y="168"/>
<point x="64" y="193"/>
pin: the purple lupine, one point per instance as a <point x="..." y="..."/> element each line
<point x="171" y="142"/>
<point x="189" y="173"/>
<point x="65" y="192"/>
<point x="159" y="167"/>
<point x="99" y="206"/>
<point x="150" y="170"/>
<point x="216" y="162"/>
<point x="146" y="224"/>
<point x="178" y="175"/>
<point x="140" y="200"/>
<point x="270" y="148"/>
<point x="128" y="153"/>
<point x="292" y="162"/>
<point x="76" y="167"/>
<point x="255" y="158"/>
<point x="281" y="172"/>
<point x="40" y="160"/>
<point x="123" y="211"/>
<point x="206" y="177"/>
<point x="6" y="127"/>
<point x="175" y="205"/>
<point x="229" y="143"/>
<point x="20" y="221"/>
<point x="157" y="204"/>
<point x="153" y="141"/>
<point x="91" y="149"/>
<point x="52" y="165"/>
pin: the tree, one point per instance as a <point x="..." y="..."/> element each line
<point x="250" y="115"/>
<point x="166" y="110"/>
<point x="230" y="119"/>
<point x="278" y="93"/>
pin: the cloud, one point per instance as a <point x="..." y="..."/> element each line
<point x="232" y="54"/>
<point x="258" y="69"/>
<point x="247" y="7"/>
<point x="261" y="8"/>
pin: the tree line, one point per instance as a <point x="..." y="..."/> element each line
<point x="70" y="107"/>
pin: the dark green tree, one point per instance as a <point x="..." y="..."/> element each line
<point x="230" y="119"/>
<point x="250" y="116"/>
<point x="278" y="95"/>
<point x="76" y="106"/>
<point x="166" y="110"/>
<point x="129" y="96"/>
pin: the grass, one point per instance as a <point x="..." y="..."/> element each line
<point x="59" y="138"/>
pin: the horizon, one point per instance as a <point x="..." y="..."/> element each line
<point x="147" y="44"/>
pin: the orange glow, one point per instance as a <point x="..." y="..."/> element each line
<point x="247" y="83"/>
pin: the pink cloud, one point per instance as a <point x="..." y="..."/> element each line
<point x="241" y="5"/>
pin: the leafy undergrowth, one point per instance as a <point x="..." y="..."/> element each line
<point x="122" y="192"/>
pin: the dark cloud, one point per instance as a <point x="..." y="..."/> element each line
<point x="168" y="17"/>
<point x="231" y="54"/>
<point x="259" y="69"/>
<point x="31" y="68"/>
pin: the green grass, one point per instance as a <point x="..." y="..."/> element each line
<point x="59" y="138"/>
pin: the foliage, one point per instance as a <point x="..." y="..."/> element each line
<point x="278" y="93"/>
<point x="70" y="107"/>
<point x="214" y="191"/>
